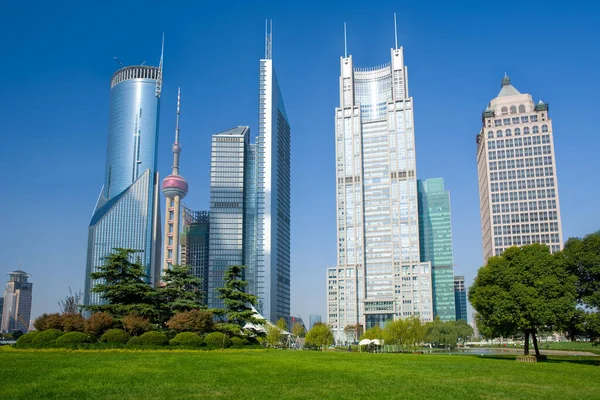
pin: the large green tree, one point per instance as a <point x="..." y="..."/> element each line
<point x="521" y="292"/>
<point x="320" y="335"/>
<point x="238" y="305"/>
<point x="180" y="292"/>
<point x="122" y="285"/>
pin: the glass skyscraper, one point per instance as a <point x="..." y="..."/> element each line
<point x="16" y="310"/>
<point x="126" y="213"/>
<point x="194" y="245"/>
<point x="518" y="187"/>
<point x="435" y="233"/>
<point x="460" y="298"/>
<point x="379" y="275"/>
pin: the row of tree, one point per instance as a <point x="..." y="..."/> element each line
<point x="528" y="290"/>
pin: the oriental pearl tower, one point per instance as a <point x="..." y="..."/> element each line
<point x="175" y="188"/>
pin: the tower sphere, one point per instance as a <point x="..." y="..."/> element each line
<point x="174" y="185"/>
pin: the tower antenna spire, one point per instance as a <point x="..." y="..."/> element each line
<point x="395" y="31"/>
<point x="160" y="68"/>
<point x="345" y="43"/>
<point x="268" y="40"/>
<point x="176" y="146"/>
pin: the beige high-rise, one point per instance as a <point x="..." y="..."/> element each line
<point x="518" y="188"/>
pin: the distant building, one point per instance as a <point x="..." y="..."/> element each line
<point x="460" y="297"/>
<point x="194" y="245"/>
<point x="1" y="309"/>
<point x="518" y="187"/>
<point x="296" y="319"/>
<point x="312" y="320"/>
<point x="435" y="234"/>
<point x="16" y="311"/>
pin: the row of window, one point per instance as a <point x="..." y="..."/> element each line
<point x="527" y="206"/>
<point x="516" y="142"/>
<point x="517" y="132"/>
<point x="521" y="152"/>
<point x="518" y="229"/>
<point x="522" y="173"/>
<point x="516" y="120"/>
<point x="527" y="239"/>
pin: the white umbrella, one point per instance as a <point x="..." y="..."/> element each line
<point x="365" y="342"/>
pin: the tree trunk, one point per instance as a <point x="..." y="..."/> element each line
<point x="526" y="347"/>
<point x="535" y="344"/>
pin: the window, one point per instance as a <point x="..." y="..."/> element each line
<point x="535" y="129"/>
<point x="513" y="109"/>
<point x="490" y="134"/>
<point x="515" y="120"/>
<point x="526" y="130"/>
<point x="517" y="131"/>
<point x="497" y="122"/>
<point x="509" y="132"/>
<point x="498" y="133"/>
<point x="506" y="121"/>
<point x="504" y="110"/>
<point x="522" y="108"/>
<point x="524" y="119"/>
<point x="544" y="128"/>
<point x="534" y="118"/>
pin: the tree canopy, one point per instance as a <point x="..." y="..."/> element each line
<point x="320" y="335"/>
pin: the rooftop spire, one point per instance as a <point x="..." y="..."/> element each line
<point x="345" y="43"/>
<point x="176" y="146"/>
<point x="395" y="31"/>
<point x="505" y="80"/>
<point x="160" y="68"/>
<point x="268" y="40"/>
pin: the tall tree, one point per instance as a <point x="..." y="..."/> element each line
<point x="122" y="285"/>
<point x="354" y="330"/>
<point x="281" y="324"/>
<point x="71" y="304"/>
<point x="179" y="293"/>
<point x="298" y="329"/>
<point x="238" y="304"/>
<point x="320" y="335"/>
<point x="521" y="292"/>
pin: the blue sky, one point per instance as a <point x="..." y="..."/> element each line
<point x="57" y="59"/>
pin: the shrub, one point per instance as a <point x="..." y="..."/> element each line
<point x="134" y="341"/>
<point x="188" y="339"/>
<point x="72" y="322"/>
<point x="153" y="338"/>
<point x="73" y="339"/>
<point x="199" y="321"/>
<point x="48" y="321"/>
<point x="26" y="339"/>
<point x="46" y="338"/>
<point x="136" y="325"/>
<point x="238" y="342"/>
<point x="98" y="323"/>
<point x="115" y="336"/>
<point x="217" y="340"/>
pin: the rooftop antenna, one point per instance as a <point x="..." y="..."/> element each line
<point x="396" y="31"/>
<point x="345" y="43"/>
<point x="143" y="63"/>
<point x="268" y="40"/>
<point x="117" y="60"/>
<point x="160" y="68"/>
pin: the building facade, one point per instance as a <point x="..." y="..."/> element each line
<point x="518" y="188"/>
<point x="312" y="320"/>
<point x="126" y="213"/>
<point x="194" y="246"/>
<point x="16" y="310"/>
<point x="379" y="275"/>
<point x="435" y="234"/>
<point x="273" y="196"/>
<point x="460" y="298"/>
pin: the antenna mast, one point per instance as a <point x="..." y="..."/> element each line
<point x="395" y="31"/>
<point x="345" y="43"/>
<point x="268" y="40"/>
<point x="160" y="68"/>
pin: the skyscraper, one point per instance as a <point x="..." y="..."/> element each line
<point x="435" y="233"/>
<point x="127" y="211"/>
<point x="460" y="298"/>
<point x="194" y="245"/>
<point x="379" y="275"/>
<point x="312" y="320"/>
<point x="16" y="311"/>
<point x="227" y="193"/>
<point x="175" y="188"/>
<point x="273" y="196"/>
<point x="518" y="188"/>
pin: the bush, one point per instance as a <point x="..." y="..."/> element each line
<point x="238" y="343"/>
<point x="98" y="323"/>
<point x="72" y="322"/>
<point x="188" y="339"/>
<point x="153" y="339"/>
<point x="134" y="341"/>
<point x="26" y="339"/>
<point x="46" y="338"/>
<point x="48" y="321"/>
<point x="199" y="321"/>
<point x="136" y="325"/>
<point x="73" y="339"/>
<point x="217" y="340"/>
<point x="115" y="336"/>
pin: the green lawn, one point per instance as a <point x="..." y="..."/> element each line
<point x="258" y="374"/>
<point x="575" y="346"/>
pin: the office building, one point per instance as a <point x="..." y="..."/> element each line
<point x="435" y="234"/>
<point x="194" y="246"/>
<point x="312" y="320"/>
<point x="273" y="195"/>
<point x="379" y="274"/>
<point x="175" y="188"/>
<point x="127" y="211"/>
<point x="518" y="188"/>
<point x="460" y="298"/>
<point x="16" y="310"/>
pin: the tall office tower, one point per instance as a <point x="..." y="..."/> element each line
<point x="379" y="275"/>
<point x="127" y="211"/>
<point x="227" y="193"/>
<point x="16" y="311"/>
<point x="435" y="228"/>
<point x="312" y="320"/>
<point x="460" y="298"/>
<point x="175" y="188"/>
<point x="518" y="188"/>
<point x="194" y="245"/>
<point x="273" y="196"/>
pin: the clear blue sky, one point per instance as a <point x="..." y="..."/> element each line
<point x="57" y="58"/>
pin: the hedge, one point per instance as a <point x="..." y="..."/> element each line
<point x="153" y="338"/>
<point x="71" y="339"/>
<point x="217" y="340"/>
<point x="26" y="339"/>
<point x="115" y="336"/>
<point x="188" y="339"/>
<point x="46" y="338"/>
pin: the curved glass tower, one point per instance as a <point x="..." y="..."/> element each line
<point x="126" y="214"/>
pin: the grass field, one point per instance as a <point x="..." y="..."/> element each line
<point x="257" y="374"/>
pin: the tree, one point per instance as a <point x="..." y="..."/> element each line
<point x="198" y="321"/>
<point x="48" y="321"/>
<point x="180" y="292"/>
<point x="123" y="287"/>
<point x="274" y="335"/>
<point x="354" y="330"/>
<point x="320" y="335"/>
<point x="281" y="324"/>
<point x="521" y="292"/>
<point x="396" y="332"/>
<point x="464" y="331"/>
<point x="373" y="333"/>
<point x="298" y="329"/>
<point x="71" y="304"/>
<point x="136" y="324"/>
<point x="238" y="304"/>
<point x="98" y="323"/>
<point x="72" y="322"/>
<point x="581" y="257"/>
